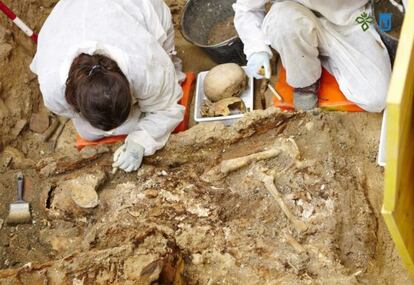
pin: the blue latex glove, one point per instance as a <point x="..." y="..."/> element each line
<point x="129" y="156"/>
<point x="256" y="62"/>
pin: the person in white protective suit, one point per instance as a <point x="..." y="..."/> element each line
<point x="110" y="66"/>
<point x="309" y="34"/>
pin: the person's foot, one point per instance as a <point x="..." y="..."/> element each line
<point x="306" y="98"/>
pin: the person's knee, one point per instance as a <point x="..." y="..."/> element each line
<point x="286" y="19"/>
<point x="375" y="104"/>
<point x="373" y="100"/>
<point x="377" y="92"/>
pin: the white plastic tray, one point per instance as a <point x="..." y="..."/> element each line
<point x="246" y="96"/>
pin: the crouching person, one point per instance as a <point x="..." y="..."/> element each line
<point x="309" y="35"/>
<point x="110" y="66"/>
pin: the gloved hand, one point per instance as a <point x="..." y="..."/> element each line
<point x="129" y="156"/>
<point x="256" y="62"/>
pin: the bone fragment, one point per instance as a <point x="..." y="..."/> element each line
<point x="58" y="132"/>
<point x="230" y="165"/>
<point x="51" y="130"/>
<point x="267" y="180"/>
<point x="294" y="243"/>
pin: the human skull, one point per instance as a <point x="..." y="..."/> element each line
<point x="224" y="81"/>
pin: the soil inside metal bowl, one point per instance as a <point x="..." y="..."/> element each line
<point x="222" y="31"/>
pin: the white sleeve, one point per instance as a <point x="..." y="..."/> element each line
<point x="156" y="127"/>
<point x="53" y="95"/>
<point x="158" y="97"/>
<point x="248" y="19"/>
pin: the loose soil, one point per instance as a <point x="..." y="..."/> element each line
<point x="180" y="221"/>
<point x="222" y="31"/>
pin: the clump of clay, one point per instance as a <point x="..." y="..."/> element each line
<point x="85" y="198"/>
<point x="224" y="81"/>
<point x="39" y="122"/>
<point x="75" y="197"/>
<point x="224" y="107"/>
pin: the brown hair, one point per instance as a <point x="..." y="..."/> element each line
<point x="97" y="88"/>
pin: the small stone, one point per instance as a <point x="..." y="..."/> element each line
<point x="179" y="209"/>
<point x="169" y="197"/>
<point x="83" y="189"/>
<point x="309" y="125"/>
<point x="151" y="193"/>
<point x="1" y="223"/>
<point x="39" y="122"/>
<point x="78" y="281"/>
<point x="199" y="211"/>
<point x="308" y="210"/>
<point x="197" y="259"/>
<point x="28" y="266"/>
<point x="192" y="188"/>
<point x="84" y="197"/>
<point x="135" y="214"/>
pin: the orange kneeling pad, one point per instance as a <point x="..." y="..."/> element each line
<point x="330" y="96"/>
<point x="185" y="101"/>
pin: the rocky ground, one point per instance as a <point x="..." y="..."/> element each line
<point x="303" y="207"/>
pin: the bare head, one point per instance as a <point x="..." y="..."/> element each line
<point x="99" y="91"/>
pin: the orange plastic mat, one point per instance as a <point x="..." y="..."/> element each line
<point x="185" y="101"/>
<point x="330" y="96"/>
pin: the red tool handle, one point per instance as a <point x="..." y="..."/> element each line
<point x="16" y="20"/>
<point x="9" y="13"/>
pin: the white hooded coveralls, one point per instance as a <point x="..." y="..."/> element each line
<point x="139" y="36"/>
<point x="309" y="34"/>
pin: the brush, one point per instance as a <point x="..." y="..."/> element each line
<point x="19" y="210"/>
